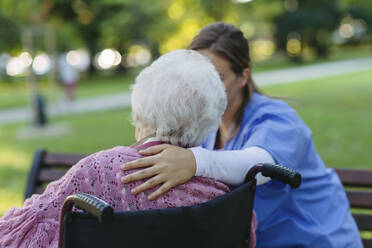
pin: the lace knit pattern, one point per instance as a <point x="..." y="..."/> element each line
<point x="36" y="224"/>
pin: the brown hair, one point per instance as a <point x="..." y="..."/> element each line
<point x="229" y="42"/>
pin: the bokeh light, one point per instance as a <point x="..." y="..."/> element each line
<point x="293" y="47"/>
<point x="107" y="59"/>
<point x="42" y="64"/>
<point x="18" y="65"/>
<point x="349" y="29"/>
<point x="262" y="49"/>
<point x="15" y="67"/>
<point x="80" y="59"/>
<point x="176" y="10"/>
<point x="26" y="59"/>
<point x="138" y="55"/>
<point x="248" y="29"/>
<point x="346" y="30"/>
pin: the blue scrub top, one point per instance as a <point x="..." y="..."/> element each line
<point x="316" y="214"/>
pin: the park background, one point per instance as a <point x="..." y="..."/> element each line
<point x="110" y="41"/>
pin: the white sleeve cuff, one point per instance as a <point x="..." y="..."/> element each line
<point x="230" y="166"/>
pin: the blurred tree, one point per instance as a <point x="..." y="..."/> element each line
<point x="357" y="21"/>
<point x="363" y="12"/>
<point x="217" y="9"/>
<point x="256" y="17"/>
<point x="113" y="23"/>
<point x="95" y="24"/>
<point x="308" y="22"/>
<point x="189" y="16"/>
<point x="140" y="22"/>
<point x="165" y="25"/>
<point x="9" y="33"/>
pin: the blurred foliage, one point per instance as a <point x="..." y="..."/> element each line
<point x="315" y="23"/>
<point x="359" y="9"/>
<point x="170" y="24"/>
<point x="312" y="22"/>
<point x="95" y="24"/>
<point x="112" y="23"/>
<point x="9" y="33"/>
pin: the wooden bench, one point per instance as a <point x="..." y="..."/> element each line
<point x="358" y="186"/>
<point x="47" y="167"/>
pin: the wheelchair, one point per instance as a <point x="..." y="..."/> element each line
<point x="222" y="222"/>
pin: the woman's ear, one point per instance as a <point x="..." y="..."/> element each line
<point x="243" y="79"/>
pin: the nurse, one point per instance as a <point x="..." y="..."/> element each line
<point x="256" y="128"/>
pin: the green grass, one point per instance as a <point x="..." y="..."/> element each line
<point x="337" y="109"/>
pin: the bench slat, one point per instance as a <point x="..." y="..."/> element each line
<point x="359" y="199"/>
<point x="63" y="160"/>
<point x="48" y="175"/>
<point x="367" y="243"/>
<point x="364" y="221"/>
<point x="354" y="177"/>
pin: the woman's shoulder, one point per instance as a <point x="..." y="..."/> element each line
<point x="119" y="151"/>
<point x="275" y="114"/>
<point x="123" y="153"/>
<point x="266" y="103"/>
<point x="264" y="107"/>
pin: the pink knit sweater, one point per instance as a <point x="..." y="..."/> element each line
<point x="36" y="224"/>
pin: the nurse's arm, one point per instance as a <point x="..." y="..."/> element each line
<point x="170" y="166"/>
<point x="230" y="167"/>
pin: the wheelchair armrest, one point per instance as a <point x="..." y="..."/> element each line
<point x="278" y="172"/>
<point x="91" y="204"/>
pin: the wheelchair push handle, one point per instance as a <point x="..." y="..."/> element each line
<point x="278" y="172"/>
<point x="281" y="173"/>
<point x="93" y="205"/>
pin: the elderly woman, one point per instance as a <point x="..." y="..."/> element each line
<point x="171" y="103"/>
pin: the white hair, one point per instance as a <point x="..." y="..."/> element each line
<point x="180" y="97"/>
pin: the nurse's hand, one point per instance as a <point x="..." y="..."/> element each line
<point x="167" y="165"/>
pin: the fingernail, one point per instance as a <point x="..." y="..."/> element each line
<point x="122" y="166"/>
<point x="133" y="191"/>
<point x="123" y="179"/>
